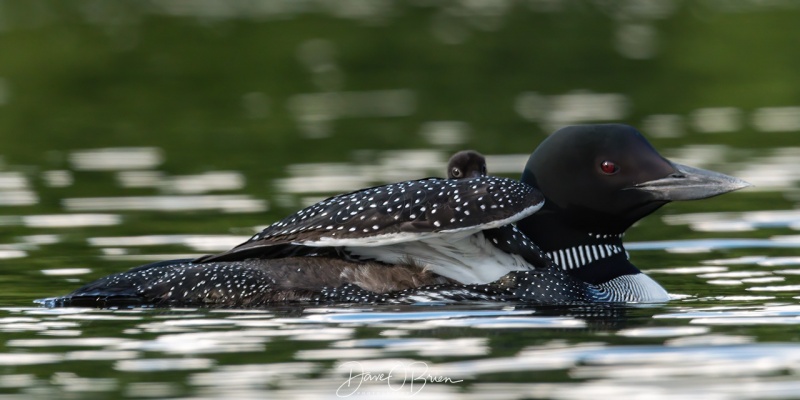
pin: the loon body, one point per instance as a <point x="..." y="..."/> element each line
<point x="447" y="239"/>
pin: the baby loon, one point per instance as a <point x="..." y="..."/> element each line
<point x="435" y="239"/>
<point x="466" y="164"/>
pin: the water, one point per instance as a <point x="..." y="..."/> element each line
<point x="141" y="131"/>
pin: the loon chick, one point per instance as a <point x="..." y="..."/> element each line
<point x="466" y="164"/>
<point x="597" y="180"/>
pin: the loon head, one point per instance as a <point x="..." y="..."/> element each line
<point x="597" y="181"/>
<point x="466" y="164"/>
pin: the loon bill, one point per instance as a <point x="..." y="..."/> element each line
<point x="447" y="240"/>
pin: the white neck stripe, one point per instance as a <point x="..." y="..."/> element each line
<point x="579" y="256"/>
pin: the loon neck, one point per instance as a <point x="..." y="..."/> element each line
<point x="592" y="256"/>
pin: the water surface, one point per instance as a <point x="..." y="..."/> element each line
<point x="140" y="131"/>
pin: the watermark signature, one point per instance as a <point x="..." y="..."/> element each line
<point x="410" y="377"/>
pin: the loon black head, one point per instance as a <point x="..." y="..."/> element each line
<point x="466" y="164"/>
<point x="597" y="181"/>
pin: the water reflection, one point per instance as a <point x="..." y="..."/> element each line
<point x="223" y="203"/>
<point x="121" y="158"/>
<point x="730" y="333"/>
<point x="173" y="343"/>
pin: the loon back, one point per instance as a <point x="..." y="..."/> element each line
<point x="436" y="223"/>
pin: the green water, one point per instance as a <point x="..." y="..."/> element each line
<point x="133" y="131"/>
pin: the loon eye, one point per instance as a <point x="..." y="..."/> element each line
<point x="456" y="172"/>
<point x="609" y="168"/>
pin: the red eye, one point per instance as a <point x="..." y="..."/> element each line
<point x="609" y="168"/>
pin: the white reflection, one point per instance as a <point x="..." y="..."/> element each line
<point x="196" y="242"/>
<point x="22" y="197"/>
<point x="664" y="331"/>
<point x="445" y="133"/>
<point x="725" y="282"/>
<point x="12" y="253"/>
<point x="777" y="119"/>
<point x="338" y="354"/>
<point x="700" y="155"/>
<point x="734" y="274"/>
<point x="686" y="270"/>
<point x="663" y="125"/>
<point x="78" y="342"/>
<point x="738" y="221"/>
<point x="393" y="166"/>
<point x="58" y="178"/>
<point x="116" y="158"/>
<point x="70" y="382"/>
<point x="223" y="203"/>
<point x="163" y="364"/>
<point x="253" y="375"/>
<point x="707" y="245"/>
<point x="716" y="120"/>
<point x="66" y="271"/>
<point x="314" y="111"/>
<point x="41" y="239"/>
<point x="140" y="179"/>
<point x="152" y="390"/>
<point x="377" y="317"/>
<point x="321" y="184"/>
<point x="70" y="220"/>
<point x="187" y="184"/>
<point x="783" y="288"/>
<point x="100" y="355"/>
<point x="401" y="165"/>
<point x="430" y="347"/>
<point x="29" y="358"/>
<point x="764" y="279"/>
<point x="575" y="107"/>
<point x="200" y="343"/>
<point x="13" y="180"/>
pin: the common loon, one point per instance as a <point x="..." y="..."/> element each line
<point x="466" y="164"/>
<point x="446" y="239"/>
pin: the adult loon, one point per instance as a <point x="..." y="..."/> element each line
<point x="451" y="239"/>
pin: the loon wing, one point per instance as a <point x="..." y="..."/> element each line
<point x="397" y="213"/>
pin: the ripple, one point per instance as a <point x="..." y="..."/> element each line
<point x="430" y="347"/>
<point x="686" y="270"/>
<point x="663" y="331"/>
<point x="63" y="342"/>
<point x="223" y="203"/>
<point x="66" y="271"/>
<point x="376" y="317"/>
<point x="29" y="359"/>
<point x="783" y="288"/>
<point x="163" y="364"/>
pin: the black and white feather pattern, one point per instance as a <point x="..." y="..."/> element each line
<point x="404" y="212"/>
<point x="579" y="256"/>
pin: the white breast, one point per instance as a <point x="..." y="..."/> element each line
<point x="468" y="258"/>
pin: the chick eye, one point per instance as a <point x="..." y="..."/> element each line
<point x="456" y="172"/>
<point x="609" y="168"/>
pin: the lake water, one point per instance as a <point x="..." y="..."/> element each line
<point x="139" y="131"/>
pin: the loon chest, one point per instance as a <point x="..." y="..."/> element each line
<point x="469" y="258"/>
